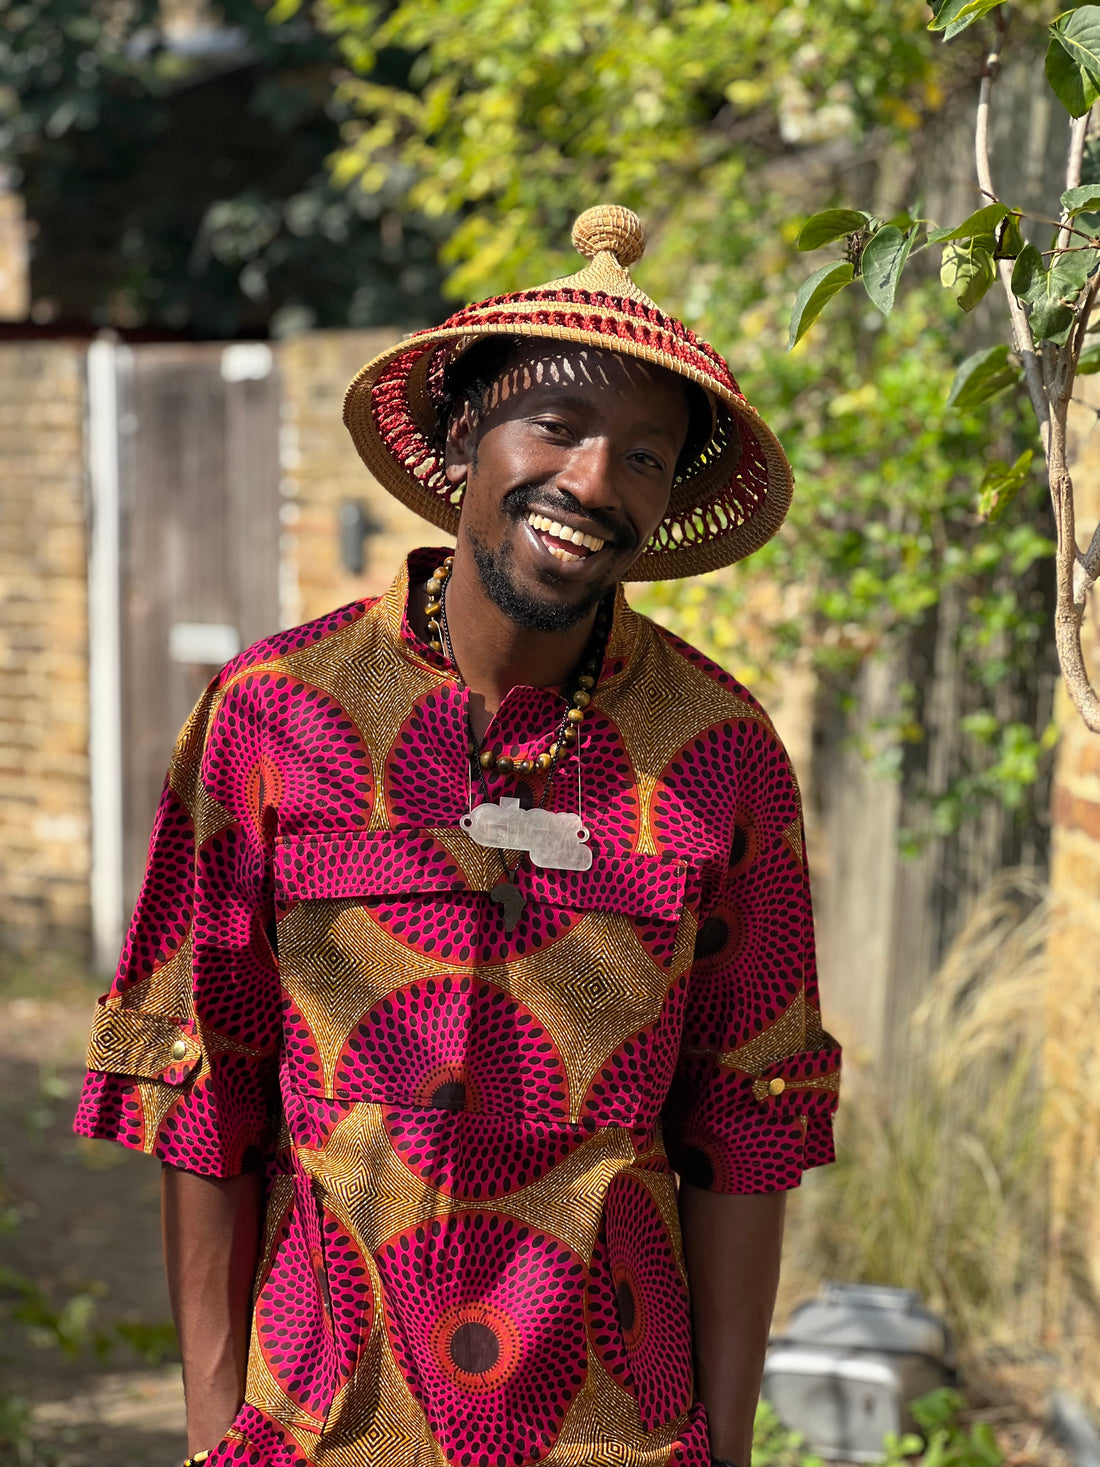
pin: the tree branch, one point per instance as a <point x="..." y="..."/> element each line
<point x="1022" y="338"/>
<point x="1049" y="379"/>
<point x="1077" y="135"/>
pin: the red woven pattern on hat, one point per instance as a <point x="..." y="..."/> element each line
<point x="711" y="512"/>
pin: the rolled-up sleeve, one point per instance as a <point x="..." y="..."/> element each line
<point x="752" y="1102"/>
<point x="183" y="1047"/>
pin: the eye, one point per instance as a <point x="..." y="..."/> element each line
<point x="647" y="460"/>
<point x="554" y="426"/>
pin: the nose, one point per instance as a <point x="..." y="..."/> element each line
<point x="588" y="473"/>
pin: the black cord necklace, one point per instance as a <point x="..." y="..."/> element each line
<point x="577" y="697"/>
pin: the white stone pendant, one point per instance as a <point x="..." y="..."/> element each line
<point x="553" y="840"/>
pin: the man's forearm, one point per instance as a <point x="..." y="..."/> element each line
<point x="732" y="1246"/>
<point x="211" y="1233"/>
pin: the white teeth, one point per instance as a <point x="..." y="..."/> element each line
<point x="562" y="554"/>
<point x="564" y="532"/>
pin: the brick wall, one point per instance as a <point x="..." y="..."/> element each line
<point x="44" y="799"/>
<point x="1074" y="992"/>
<point x="321" y="470"/>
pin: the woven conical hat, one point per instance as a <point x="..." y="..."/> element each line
<point x="726" y="503"/>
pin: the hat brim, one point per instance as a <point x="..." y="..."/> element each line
<point x="730" y="501"/>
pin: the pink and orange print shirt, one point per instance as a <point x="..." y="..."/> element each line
<point x="471" y="1252"/>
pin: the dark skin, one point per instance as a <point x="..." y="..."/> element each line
<point x="587" y="441"/>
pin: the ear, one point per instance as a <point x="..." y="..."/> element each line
<point x="460" y="447"/>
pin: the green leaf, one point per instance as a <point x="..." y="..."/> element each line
<point x="1080" y="200"/>
<point x="981" y="377"/>
<point x="1069" y="81"/>
<point x="1089" y="360"/>
<point x="955" y="15"/>
<point x="816" y="292"/>
<point x="1009" y="239"/>
<point x="830" y="224"/>
<point x="1079" y="32"/>
<point x="1000" y="484"/>
<point x="882" y="262"/>
<point x="967" y="269"/>
<point x="983" y="221"/>
<point x="1051" y="292"/>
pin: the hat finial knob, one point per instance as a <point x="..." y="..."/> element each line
<point x="612" y="229"/>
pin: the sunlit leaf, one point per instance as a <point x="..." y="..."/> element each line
<point x="816" y="292"/>
<point x="1000" y="484"/>
<point x="882" y="262"/>
<point x="982" y="221"/>
<point x="1089" y="360"/>
<point x="955" y="15"/>
<point x="1080" y="200"/>
<point x="830" y="224"/>
<point x="967" y="269"/>
<point x="981" y="377"/>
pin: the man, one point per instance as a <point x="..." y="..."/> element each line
<point x="473" y="916"/>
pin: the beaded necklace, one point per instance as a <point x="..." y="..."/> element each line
<point x="577" y="692"/>
<point x="556" y="840"/>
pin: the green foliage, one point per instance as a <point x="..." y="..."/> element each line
<point x="1054" y="292"/>
<point x="188" y="189"/>
<point x="944" y="1441"/>
<point x="982" y="377"/>
<point x="815" y="294"/>
<point x="1001" y="482"/>
<point x="519" y="116"/>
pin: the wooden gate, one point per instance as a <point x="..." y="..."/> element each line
<point x="198" y="494"/>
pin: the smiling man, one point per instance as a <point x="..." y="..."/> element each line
<point x="470" y="999"/>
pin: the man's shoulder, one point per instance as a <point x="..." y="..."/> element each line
<point x="281" y="647"/>
<point x="692" y="673"/>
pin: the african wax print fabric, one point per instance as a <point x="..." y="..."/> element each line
<point x="471" y="1252"/>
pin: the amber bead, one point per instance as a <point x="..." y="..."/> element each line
<point x="505" y="765"/>
<point x="436" y="646"/>
<point x="569" y="734"/>
<point x="581" y="700"/>
<point x="575" y="715"/>
<point x="487" y="759"/>
<point x="524" y="766"/>
<point x="432" y="608"/>
<point x="586" y="681"/>
<point x="544" y="761"/>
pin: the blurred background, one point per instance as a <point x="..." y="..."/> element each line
<point x="210" y="217"/>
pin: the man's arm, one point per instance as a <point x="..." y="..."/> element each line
<point x="211" y="1232"/>
<point x="732" y="1247"/>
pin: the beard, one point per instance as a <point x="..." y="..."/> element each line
<point x="519" y="602"/>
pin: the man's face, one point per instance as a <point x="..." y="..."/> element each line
<point x="568" y="471"/>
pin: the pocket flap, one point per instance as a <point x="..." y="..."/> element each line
<point x="355" y="865"/>
<point x="127" y="1041"/>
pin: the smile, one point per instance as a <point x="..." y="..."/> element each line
<point x="562" y="542"/>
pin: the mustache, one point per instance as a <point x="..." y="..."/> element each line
<point x="527" y="497"/>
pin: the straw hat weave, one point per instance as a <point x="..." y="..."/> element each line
<point x="727" y="502"/>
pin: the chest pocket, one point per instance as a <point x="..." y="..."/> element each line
<point x="402" y="986"/>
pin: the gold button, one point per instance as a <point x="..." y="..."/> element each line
<point x="179" y="1049"/>
<point x="776" y="1086"/>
